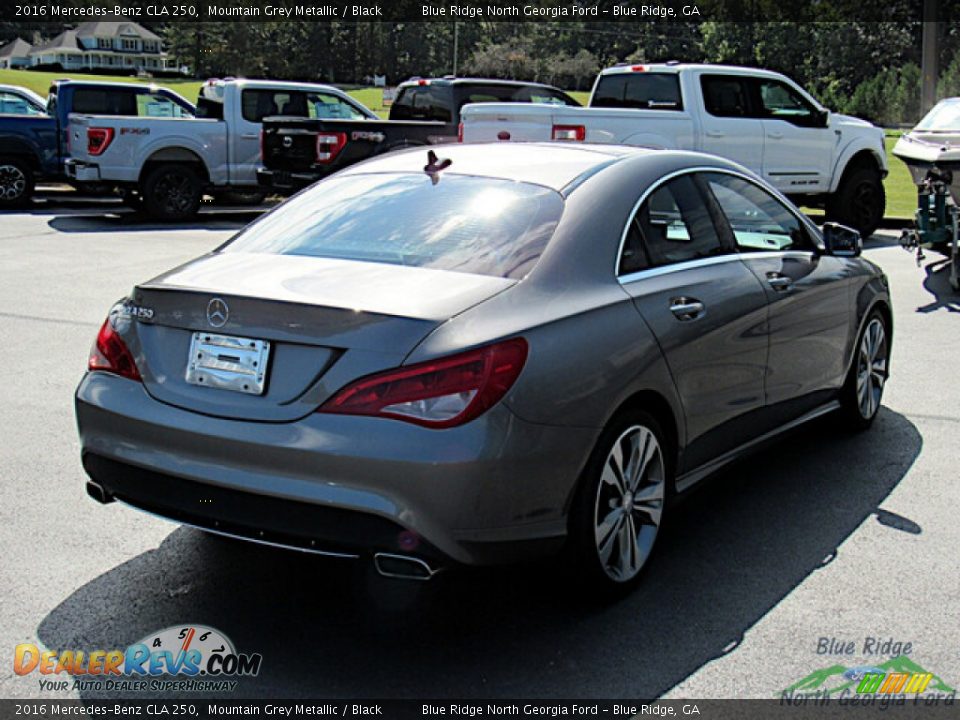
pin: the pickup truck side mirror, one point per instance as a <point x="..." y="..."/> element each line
<point x="841" y="241"/>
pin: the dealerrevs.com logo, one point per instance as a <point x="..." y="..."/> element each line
<point x="187" y="657"/>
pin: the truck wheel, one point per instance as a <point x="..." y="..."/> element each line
<point x="16" y="183"/>
<point x="859" y="202"/>
<point x="172" y="192"/>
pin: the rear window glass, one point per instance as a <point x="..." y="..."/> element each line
<point x="511" y="93"/>
<point x="645" y="91"/>
<point x="423" y="103"/>
<point x="104" y="102"/>
<point x="466" y="224"/>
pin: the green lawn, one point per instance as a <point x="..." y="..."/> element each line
<point x="901" y="192"/>
<point x="40" y="82"/>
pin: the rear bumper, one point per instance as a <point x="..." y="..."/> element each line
<point x="81" y="171"/>
<point x="492" y="491"/>
<point x="286" y="180"/>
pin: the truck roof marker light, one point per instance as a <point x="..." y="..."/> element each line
<point x="435" y="165"/>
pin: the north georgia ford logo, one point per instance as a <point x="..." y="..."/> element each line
<point x="190" y="650"/>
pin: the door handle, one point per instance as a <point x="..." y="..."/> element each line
<point x="714" y="133"/>
<point x="686" y="308"/>
<point x="250" y="136"/>
<point x="779" y="281"/>
<point x="775" y="135"/>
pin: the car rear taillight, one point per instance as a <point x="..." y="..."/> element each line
<point x="439" y="393"/>
<point x="460" y="132"/>
<point x="98" y="139"/>
<point x="110" y="354"/>
<point x="329" y="146"/>
<point x="576" y="133"/>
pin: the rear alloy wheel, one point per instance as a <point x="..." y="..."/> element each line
<point x="868" y="375"/>
<point x="16" y="183"/>
<point x="172" y="192"/>
<point x="859" y="202"/>
<point x="621" y="501"/>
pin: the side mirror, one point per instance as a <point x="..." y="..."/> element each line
<point x="824" y="118"/>
<point x="841" y="241"/>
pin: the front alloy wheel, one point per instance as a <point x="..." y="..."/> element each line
<point x="629" y="503"/>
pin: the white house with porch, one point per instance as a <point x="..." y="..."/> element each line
<point x="116" y="45"/>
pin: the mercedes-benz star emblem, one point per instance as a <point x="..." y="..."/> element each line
<point x="217" y="313"/>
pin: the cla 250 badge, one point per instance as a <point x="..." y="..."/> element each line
<point x="189" y="650"/>
<point x="137" y="311"/>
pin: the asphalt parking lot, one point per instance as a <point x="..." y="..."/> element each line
<point x="826" y="535"/>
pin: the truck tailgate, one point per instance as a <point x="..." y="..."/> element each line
<point x="486" y="122"/>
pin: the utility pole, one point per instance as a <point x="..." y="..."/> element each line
<point x="456" y="38"/>
<point x="930" y="56"/>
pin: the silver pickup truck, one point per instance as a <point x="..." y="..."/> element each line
<point x="166" y="162"/>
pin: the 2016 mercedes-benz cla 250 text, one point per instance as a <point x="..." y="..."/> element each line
<point x="504" y="352"/>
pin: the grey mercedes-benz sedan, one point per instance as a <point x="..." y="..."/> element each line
<point x="507" y="351"/>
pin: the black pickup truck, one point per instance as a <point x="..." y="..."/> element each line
<point x="298" y="151"/>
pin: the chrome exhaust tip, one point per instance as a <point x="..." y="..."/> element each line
<point x="98" y="493"/>
<point x="403" y="567"/>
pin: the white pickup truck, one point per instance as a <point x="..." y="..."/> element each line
<point x="167" y="161"/>
<point x="761" y="119"/>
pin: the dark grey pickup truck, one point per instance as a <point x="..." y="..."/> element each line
<point x="299" y="151"/>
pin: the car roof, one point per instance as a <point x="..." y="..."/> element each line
<point x="279" y="84"/>
<point x="678" y="67"/>
<point x="474" y="81"/>
<point x="552" y="165"/>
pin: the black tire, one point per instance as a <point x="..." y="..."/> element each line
<point x="858" y="413"/>
<point x="172" y="192"/>
<point x="597" y="497"/>
<point x="859" y="202"/>
<point x="16" y="183"/>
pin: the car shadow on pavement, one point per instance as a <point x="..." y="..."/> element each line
<point x="128" y="221"/>
<point x="331" y="628"/>
<point x="937" y="283"/>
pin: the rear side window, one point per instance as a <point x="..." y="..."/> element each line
<point x="726" y="95"/>
<point x="257" y="104"/>
<point x="672" y="226"/>
<point x="645" y="91"/>
<point x="462" y="223"/>
<point x="331" y="107"/>
<point x="758" y="220"/>
<point x="153" y="105"/>
<point x="90" y="101"/>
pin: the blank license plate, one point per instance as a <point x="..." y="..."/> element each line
<point x="228" y="363"/>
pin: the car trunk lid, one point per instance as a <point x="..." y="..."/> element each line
<point x="325" y="322"/>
